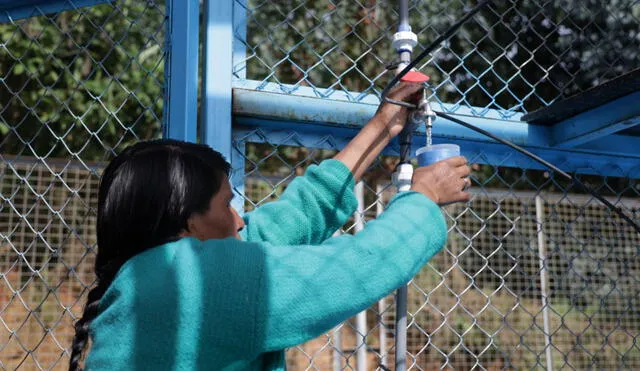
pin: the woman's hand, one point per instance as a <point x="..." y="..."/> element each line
<point x="387" y="123"/>
<point x="394" y="116"/>
<point x="443" y="182"/>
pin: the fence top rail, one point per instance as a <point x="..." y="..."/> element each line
<point x="493" y="193"/>
<point x="54" y="163"/>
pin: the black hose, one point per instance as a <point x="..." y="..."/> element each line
<point x="452" y="30"/>
<point x="611" y="206"/>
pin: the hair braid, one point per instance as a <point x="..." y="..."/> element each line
<point x="81" y="337"/>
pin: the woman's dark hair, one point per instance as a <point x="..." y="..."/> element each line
<point x="147" y="194"/>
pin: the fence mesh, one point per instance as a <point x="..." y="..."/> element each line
<point x="75" y="88"/>
<point x="515" y="56"/>
<point x="531" y="264"/>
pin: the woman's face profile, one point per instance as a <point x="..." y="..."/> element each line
<point x="219" y="221"/>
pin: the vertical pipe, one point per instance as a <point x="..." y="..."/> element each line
<point x="401" y="329"/>
<point x="404" y="16"/>
<point x="181" y="70"/>
<point x="361" y="343"/>
<point x="405" y="147"/>
<point x="336" y="337"/>
<point x="361" y="318"/>
<point x="542" y="255"/>
<point x="337" y="348"/>
<point x="382" y="304"/>
<point x="217" y="66"/>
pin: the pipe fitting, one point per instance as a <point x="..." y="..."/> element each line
<point x="423" y="114"/>
<point x="402" y="177"/>
<point x="404" y="41"/>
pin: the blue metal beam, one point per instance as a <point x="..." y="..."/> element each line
<point x="181" y="96"/>
<point x="239" y="71"/>
<point x="347" y="114"/>
<point x="12" y="10"/>
<point x="249" y="129"/>
<point x="330" y="123"/>
<point x="589" y="126"/>
<point x="614" y="145"/>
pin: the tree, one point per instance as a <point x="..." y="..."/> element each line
<point x="82" y="83"/>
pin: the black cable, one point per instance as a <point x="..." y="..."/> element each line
<point x="407" y="136"/>
<point x="452" y="30"/>
<point x="611" y="206"/>
<point x="505" y="142"/>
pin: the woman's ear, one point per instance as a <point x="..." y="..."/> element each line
<point x="191" y="230"/>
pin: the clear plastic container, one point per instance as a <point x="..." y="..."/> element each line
<point x="431" y="154"/>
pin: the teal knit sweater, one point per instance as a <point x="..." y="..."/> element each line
<point x="236" y="305"/>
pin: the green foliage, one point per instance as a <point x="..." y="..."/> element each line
<point x="82" y="82"/>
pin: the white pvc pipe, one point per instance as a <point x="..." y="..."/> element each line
<point x="336" y="337"/>
<point x="544" y="280"/>
<point x="361" y="318"/>
<point x="382" y="304"/>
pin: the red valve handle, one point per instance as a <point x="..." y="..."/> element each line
<point x="415" y="76"/>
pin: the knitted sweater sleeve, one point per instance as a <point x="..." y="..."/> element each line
<point x="304" y="292"/>
<point x="309" y="211"/>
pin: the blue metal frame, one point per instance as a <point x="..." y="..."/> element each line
<point x="315" y="114"/>
<point x="597" y="123"/>
<point x="315" y="135"/>
<point x="216" y="92"/>
<point x="12" y="10"/>
<point x="301" y="108"/>
<point x="313" y="119"/>
<point x="240" y="9"/>
<point x="181" y="69"/>
<point x="219" y="53"/>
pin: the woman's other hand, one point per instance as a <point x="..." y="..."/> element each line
<point x="394" y="116"/>
<point x="443" y="182"/>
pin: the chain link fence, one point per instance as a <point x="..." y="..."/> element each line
<point x="75" y="88"/>
<point x="535" y="274"/>
<point x="515" y="56"/>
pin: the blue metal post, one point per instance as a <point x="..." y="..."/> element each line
<point x="219" y="53"/>
<point x="216" y="92"/>
<point x="240" y="33"/>
<point x="239" y="72"/>
<point x="181" y="70"/>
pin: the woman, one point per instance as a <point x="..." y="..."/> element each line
<point x="185" y="283"/>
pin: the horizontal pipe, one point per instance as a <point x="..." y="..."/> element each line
<point x="356" y="114"/>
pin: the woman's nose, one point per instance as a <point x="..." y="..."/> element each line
<point x="238" y="220"/>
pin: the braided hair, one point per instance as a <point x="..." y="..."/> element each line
<point x="147" y="193"/>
